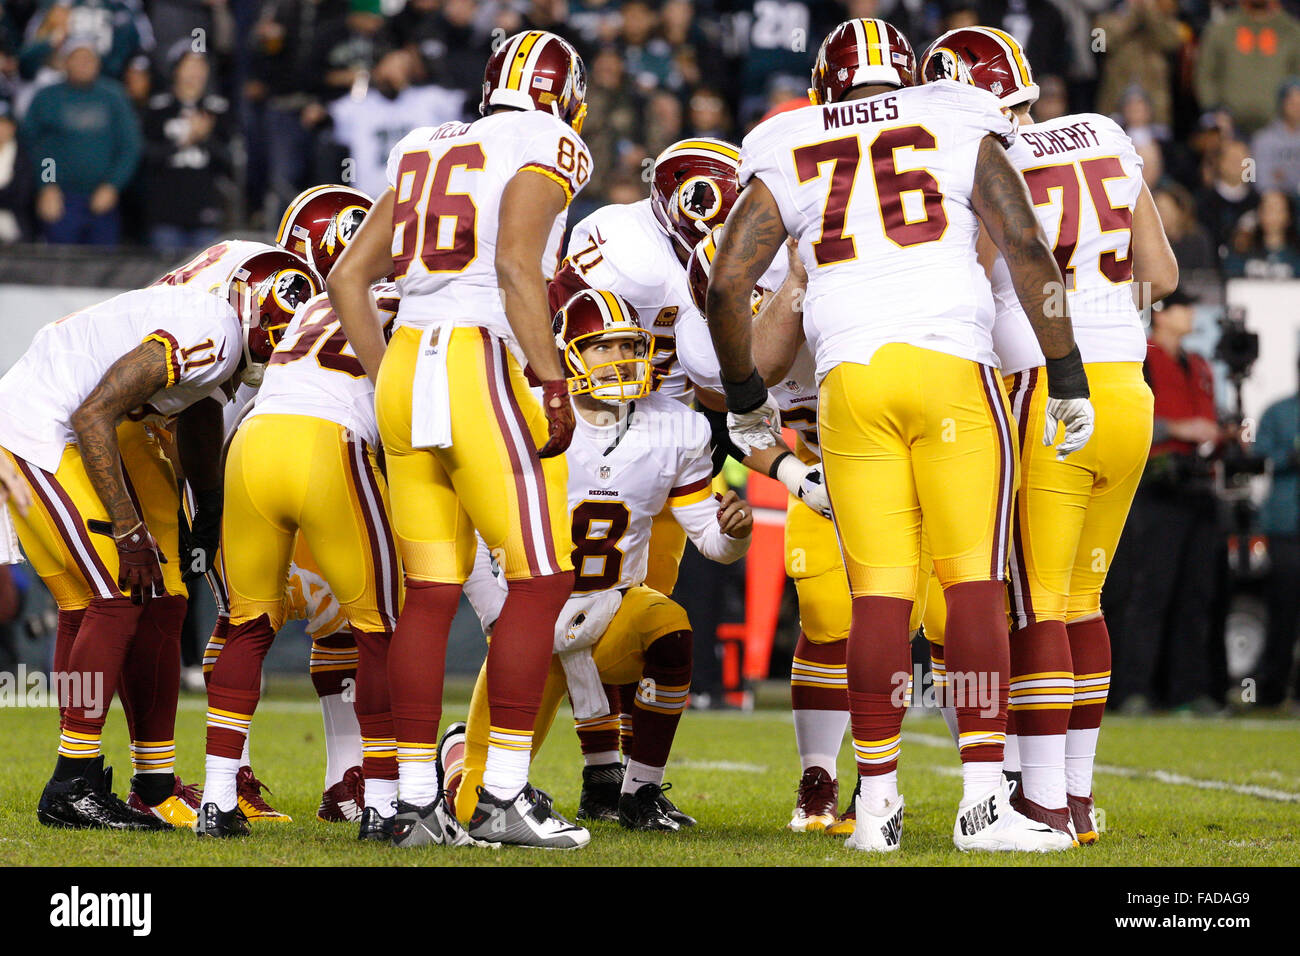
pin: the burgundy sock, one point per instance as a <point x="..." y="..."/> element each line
<point x="519" y="657"/>
<point x="1090" y="651"/>
<point x="373" y="707"/>
<point x="417" y="659"/>
<point x="1041" y="648"/>
<point x="879" y="663"/>
<point x="815" y="677"/>
<point x="235" y="685"/>
<point x="151" y="673"/>
<point x="326" y="676"/>
<point x="602" y="736"/>
<point x="659" y="705"/>
<point x="64" y="637"/>
<point x="977" y="658"/>
<point x="95" y="661"/>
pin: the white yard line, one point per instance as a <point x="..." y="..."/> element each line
<point x="730" y="766"/>
<point x="1136" y="773"/>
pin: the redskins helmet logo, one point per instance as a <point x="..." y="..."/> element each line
<point x="699" y="198"/>
<point x="944" y="64"/>
<point x="342" y="228"/>
<point x="289" y="288"/>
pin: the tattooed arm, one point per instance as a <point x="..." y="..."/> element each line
<point x="1001" y="200"/>
<point x="752" y="237"/>
<point x="127" y="384"/>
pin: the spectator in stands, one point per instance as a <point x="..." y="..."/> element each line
<point x="1191" y="243"/>
<point x="1276" y="147"/>
<point x="1229" y="196"/>
<point x="663" y="123"/>
<point x="84" y="140"/>
<point x="1279" y="441"/>
<point x="451" y="50"/>
<point x="647" y="56"/>
<point x="773" y="38"/>
<point x="1244" y="57"/>
<point x="616" y="109"/>
<point x="113" y="27"/>
<point x="697" y="52"/>
<point x="1052" y="98"/>
<point x="284" y="78"/>
<point x="347" y="49"/>
<point x="17" y="182"/>
<point x="709" y="115"/>
<point x="1167" y="559"/>
<point x="1039" y="27"/>
<point x="1265" y="245"/>
<point x="1141" y="36"/>
<point x="187" y="154"/>
<point x="1137" y="116"/>
<point x="369" y="126"/>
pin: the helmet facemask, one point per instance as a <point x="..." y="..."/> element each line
<point x="617" y="380"/>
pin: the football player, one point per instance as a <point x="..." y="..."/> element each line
<point x="634" y="453"/>
<point x="912" y="416"/>
<point x="471" y="212"/>
<point x="316" y="226"/>
<point x="641" y="251"/>
<point x="315" y="406"/>
<point x="1085" y="180"/>
<point x="102" y="532"/>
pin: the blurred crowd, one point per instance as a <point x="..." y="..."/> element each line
<point x="161" y="122"/>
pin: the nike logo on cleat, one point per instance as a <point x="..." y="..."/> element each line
<point x="893" y="829"/>
<point x="978" y="817"/>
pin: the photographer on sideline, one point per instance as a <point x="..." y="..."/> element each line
<point x="1168" y="557"/>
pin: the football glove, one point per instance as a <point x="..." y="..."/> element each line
<point x="559" y="420"/>
<point x="805" y="482"/>
<point x="1078" y="417"/>
<point x="138" y="557"/>
<point x="200" y="538"/>
<point x="756" y="430"/>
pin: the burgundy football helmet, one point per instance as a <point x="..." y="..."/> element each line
<point x="984" y="57"/>
<point x="860" y="52"/>
<point x="536" y="70"/>
<point x="592" y="316"/>
<point x="693" y="188"/>
<point x="265" y="288"/>
<point x="320" y="222"/>
<point x="700" y="267"/>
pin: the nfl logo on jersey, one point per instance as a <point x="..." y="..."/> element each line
<point x="604" y="472"/>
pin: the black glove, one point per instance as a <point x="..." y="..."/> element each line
<point x="200" y="538"/>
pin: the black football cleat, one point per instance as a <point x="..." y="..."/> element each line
<point x="375" y="828"/>
<point x="670" y="809"/>
<point x="217" y="823"/>
<point x="642" y="810"/>
<point x="601" y="786"/>
<point x="88" y="803"/>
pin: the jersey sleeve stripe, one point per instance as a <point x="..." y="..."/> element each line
<point x="173" y="353"/>
<point x="551" y="173"/>
<point x="690" y="493"/>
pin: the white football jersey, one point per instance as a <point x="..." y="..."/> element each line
<point x="211" y="268"/>
<point x="448" y="181"/>
<point x="1084" y="177"/>
<point x="314" y="371"/>
<point x="621" y="476"/>
<point x="68" y="357"/>
<point x="877" y="193"/>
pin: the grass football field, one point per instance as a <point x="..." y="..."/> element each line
<point x="1175" y="792"/>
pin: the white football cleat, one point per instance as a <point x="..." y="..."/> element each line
<point x="877" y="833"/>
<point x="989" y="823"/>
